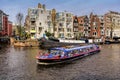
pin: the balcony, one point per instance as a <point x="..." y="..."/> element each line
<point x="32" y="19"/>
<point x="85" y="29"/>
<point x="32" y="31"/>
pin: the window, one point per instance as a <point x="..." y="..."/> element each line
<point x="60" y="24"/>
<point x="61" y="29"/>
<point x="102" y="32"/>
<point x="32" y="22"/>
<point x="69" y="35"/>
<point x="88" y="27"/>
<point x="61" y="35"/>
<point x="62" y="14"/>
<point x="75" y="24"/>
<point x="81" y="21"/>
<point x="48" y="17"/>
<point x="34" y="11"/>
<point x="66" y="15"/>
<point x="81" y="24"/>
<point x="63" y="19"/>
<point x="32" y="28"/>
<point x="94" y="23"/>
<point x="41" y="11"/>
<point x="102" y="24"/>
<point x="75" y="29"/>
<point x="68" y="30"/>
<point x="95" y="28"/>
<point x="113" y="20"/>
<point x="49" y="12"/>
<point x="94" y="33"/>
<point x="40" y="23"/>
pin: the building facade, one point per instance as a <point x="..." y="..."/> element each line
<point x="64" y="25"/>
<point x="81" y="25"/>
<point x="84" y="26"/>
<point x="5" y="25"/>
<point x="10" y="30"/>
<point x="38" y="21"/>
<point x="112" y="24"/>
<point x="102" y="27"/>
<point x="76" y="27"/>
<point x="1" y="20"/>
<point x="95" y="26"/>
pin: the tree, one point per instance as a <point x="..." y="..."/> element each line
<point x="48" y="34"/>
<point x="19" y="18"/>
<point x="54" y="20"/>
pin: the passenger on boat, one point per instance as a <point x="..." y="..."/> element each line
<point x="62" y="54"/>
<point x="40" y="52"/>
<point x="57" y="55"/>
<point x="97" y="46"/>
<point x="70" y="54"/>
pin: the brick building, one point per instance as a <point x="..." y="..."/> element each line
<point x="5" y="25"/>
<point x="75" y="26"/>
<point x="81" y="24"/>
<point x="84" y="25"/>
<point x="95" y="26"/>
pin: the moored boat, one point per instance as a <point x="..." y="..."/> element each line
<point x="66" y="54"/>
<point x="0" y="47"/>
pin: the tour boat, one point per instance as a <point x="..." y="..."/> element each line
<point x="65" y="54"/>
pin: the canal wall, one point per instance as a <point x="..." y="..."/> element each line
<point x="24" y="43"/>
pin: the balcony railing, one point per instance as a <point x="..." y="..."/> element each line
<point x="33" y="31"/>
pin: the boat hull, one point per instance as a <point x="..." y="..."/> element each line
<point x="64" y="60"/>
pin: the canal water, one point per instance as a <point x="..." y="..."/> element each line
<point x="20" y="64"/>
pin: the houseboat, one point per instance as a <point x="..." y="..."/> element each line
<point x="65" y="54"/>
<point x="50" y="43"/>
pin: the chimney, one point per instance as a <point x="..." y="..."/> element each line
<point x="39" y="5"/>
<point x="44" y="7"/>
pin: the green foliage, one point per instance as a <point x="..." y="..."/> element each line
<point x="22" y="33"/>
<point x="48" y="34"/>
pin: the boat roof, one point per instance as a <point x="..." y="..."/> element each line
<point x="69" y="48"/>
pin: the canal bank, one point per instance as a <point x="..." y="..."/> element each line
<point x="24" y="43"/>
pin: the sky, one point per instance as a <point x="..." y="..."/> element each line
<point x="77" y="7"/>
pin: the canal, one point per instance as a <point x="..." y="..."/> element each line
<point x="20" y="64"/>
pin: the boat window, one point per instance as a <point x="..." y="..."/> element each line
<point x="84" y="50"/>
<point x="91" y="47"/>
<point x="55" y="52"/>
<point x="71" y="54"/>
<point x="88" y="49"/>
<point x="42" y="53"/>
<point x="81" y="50"/>
<point x="76" y="51"/>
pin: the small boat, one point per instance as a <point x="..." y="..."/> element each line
<point x="66" y="54"/>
